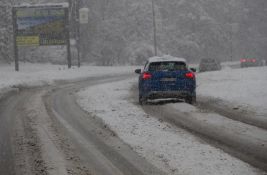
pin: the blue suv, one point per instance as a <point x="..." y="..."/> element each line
<point x="166" y="77"/>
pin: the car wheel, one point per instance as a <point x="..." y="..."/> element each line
<point x="142" y="100"/>
<point x="190" y="100"/>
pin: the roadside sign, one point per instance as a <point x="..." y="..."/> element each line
<point x="44" y="24"/>
<point x="41" y="25"/>
<point x="83" y="15"/>
<point x="73" y="42"/>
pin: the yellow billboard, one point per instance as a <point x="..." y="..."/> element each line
<point x="28" y="40"/>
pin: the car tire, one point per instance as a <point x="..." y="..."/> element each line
<point x="142" y="100"/>
<point x="190" y="100"/>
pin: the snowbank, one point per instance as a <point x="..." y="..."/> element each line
<point x="43" y="74"/>
<point x="171" y="149"/>
<point x="242" y="87"/>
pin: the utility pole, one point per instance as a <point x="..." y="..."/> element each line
<point x="231" y="38"/>
<point x="231" y="33"/>
<point x="75" y="26"/>
<point x="154" y="29"/>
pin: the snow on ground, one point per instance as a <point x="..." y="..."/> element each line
<point x="230" y="63"/>
<point x="42" y="74"/>
<point x="246" y="87"/>
<point x="172" y="149"/>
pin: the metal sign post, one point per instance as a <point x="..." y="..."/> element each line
<point x="83" y="19"/>
<point x="16" y="59"/>
<point x="68" y="37"/>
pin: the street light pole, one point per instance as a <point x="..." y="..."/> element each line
<point x="231" y="38"/>
<point x="231" y="33"/>
<point x="154" y="29"/>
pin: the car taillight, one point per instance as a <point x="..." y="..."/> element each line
<point x="243" y="60"/>
<point x="190" y="75"/>
<point x="146" y="76"/>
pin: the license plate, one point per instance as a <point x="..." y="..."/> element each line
<point x="168" y="79"/>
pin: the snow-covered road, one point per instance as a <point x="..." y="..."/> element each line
<point x="153" y="132"/>
<point x="174" y="150"/>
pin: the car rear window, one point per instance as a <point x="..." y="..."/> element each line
<point x="167" y="66"/>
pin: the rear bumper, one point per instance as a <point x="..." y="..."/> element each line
<point x="249" y="64"/>
<point x="167" y="94"/>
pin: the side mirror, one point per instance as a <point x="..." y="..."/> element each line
<point x="138" y="71"/>
<point x="193" y="69"/>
